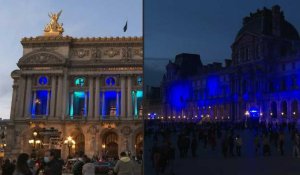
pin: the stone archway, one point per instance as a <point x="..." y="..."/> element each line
<point x="273" y="109"/>
<point x="294" y="108"/>
<point x="284" y="109"/>
<point x="78" y="136"/>
<point x="110" y="144"/>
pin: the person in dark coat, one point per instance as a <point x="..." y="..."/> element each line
<point x="53" y="166"/>
<point x="8" y="168"/>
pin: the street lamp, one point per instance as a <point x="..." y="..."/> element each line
<point x="69" y="142"/>
<point x="34" y="142"/>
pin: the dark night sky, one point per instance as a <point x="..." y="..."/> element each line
<point x="203" y="27"/>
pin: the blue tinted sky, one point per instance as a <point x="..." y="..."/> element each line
<point x="207" y="28"/>
<point x="26" y="18"/>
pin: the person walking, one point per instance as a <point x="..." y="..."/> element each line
<point x="22" y="167"/>
<point x="77" y="167"/>
<point x="124" y="166"/>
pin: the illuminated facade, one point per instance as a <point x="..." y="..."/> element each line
<point x="86" y="88"/>
<point x="261" y="80"/>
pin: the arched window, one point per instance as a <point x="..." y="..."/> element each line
<point x="43" y="80"/>
<point x="79" y="81"/>
<point x="110" y="81"/>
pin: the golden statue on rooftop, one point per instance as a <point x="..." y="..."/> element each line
<point x="54" y="28"/>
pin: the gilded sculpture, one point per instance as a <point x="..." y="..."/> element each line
<point x="54" y="28"/>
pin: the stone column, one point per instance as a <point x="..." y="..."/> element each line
<point x="135" y="105"/>
<point x="71" y="104"/>
<point x="103" y="104"/>
<point x="123" y="107"/>
<point x="53" y="96"/>
<point x="34" y="104"/>
<point x="59" y="98"/>
<point x="65" y="105"/>
<point x="13" y="102"/>
<point x="85" y="103"/>
<point x="91" y="94"/>
<point x="129" y="98"/>
<point x="117" y="104"/>
<point x="97" y="96"/>
<point x="48" y="103"/>
<point x="28" y="101"/>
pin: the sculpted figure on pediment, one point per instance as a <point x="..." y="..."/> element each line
<point x="96" y="53"/>
<point x="41" y="58"/>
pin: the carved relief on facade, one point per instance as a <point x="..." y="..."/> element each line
<point x="111" y="52"/>
<point x="138" y="52"/>
<point x="93" y="130"/>
<point x="126" y="53"/>
<point x="126" y="130"/>
<point x="41" y="58"/>
<point x="80" y="53"/>
<point x="96" y="53"/>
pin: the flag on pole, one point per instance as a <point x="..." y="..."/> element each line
<point x="125" y="27"/>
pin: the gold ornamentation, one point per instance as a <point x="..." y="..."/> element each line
<point x="54" y="28"/>
<point x="112" y="52"/>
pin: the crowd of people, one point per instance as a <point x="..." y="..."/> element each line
<point x="224" y="138"/>
<point x="51" y="164"/>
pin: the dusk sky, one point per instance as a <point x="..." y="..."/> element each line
<point x="207" y="28"/>
<point x="93" y="18"/>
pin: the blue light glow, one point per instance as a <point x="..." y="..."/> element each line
<point x="43" y="80"/>
<point x="139" y="94"/>
<point x="79" y="81"/>
<point x="110" y="81"/>
<point x="79" y="94"/>
<point x="179" y="93"/>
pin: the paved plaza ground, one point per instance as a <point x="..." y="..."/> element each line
<point x="209" y="162"/>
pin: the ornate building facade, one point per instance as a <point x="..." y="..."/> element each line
<point x="261" y="80"/>
<point x="87" y="89"/>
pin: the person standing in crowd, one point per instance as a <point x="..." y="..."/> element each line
<point x="281" y="142"/>
<point x="124" y="165"/>
<point x="88" y="167"/>
<point x="22" y="167"/>
<point x="8" y="168"/>
<point x="194" y="145"/>
<point x="239" y="143"/>
<point x="53" y="166"/>
<point x="256" y="143"/>
<point x="296" y="145"/>
<point x="77" y="167"/>
<point x="266" y="146"/>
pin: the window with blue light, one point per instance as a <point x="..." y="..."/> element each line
<point x="110" y="81"/>
<point x="137" y="99"/>
<point x="80" y="81"/>
<point x="111" y="103"/>
<point x="43" y="80"/>
<point x="78" y="105"/>
<point x="39" y="103"/>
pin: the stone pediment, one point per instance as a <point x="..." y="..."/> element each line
<point x="41" y="58"/>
